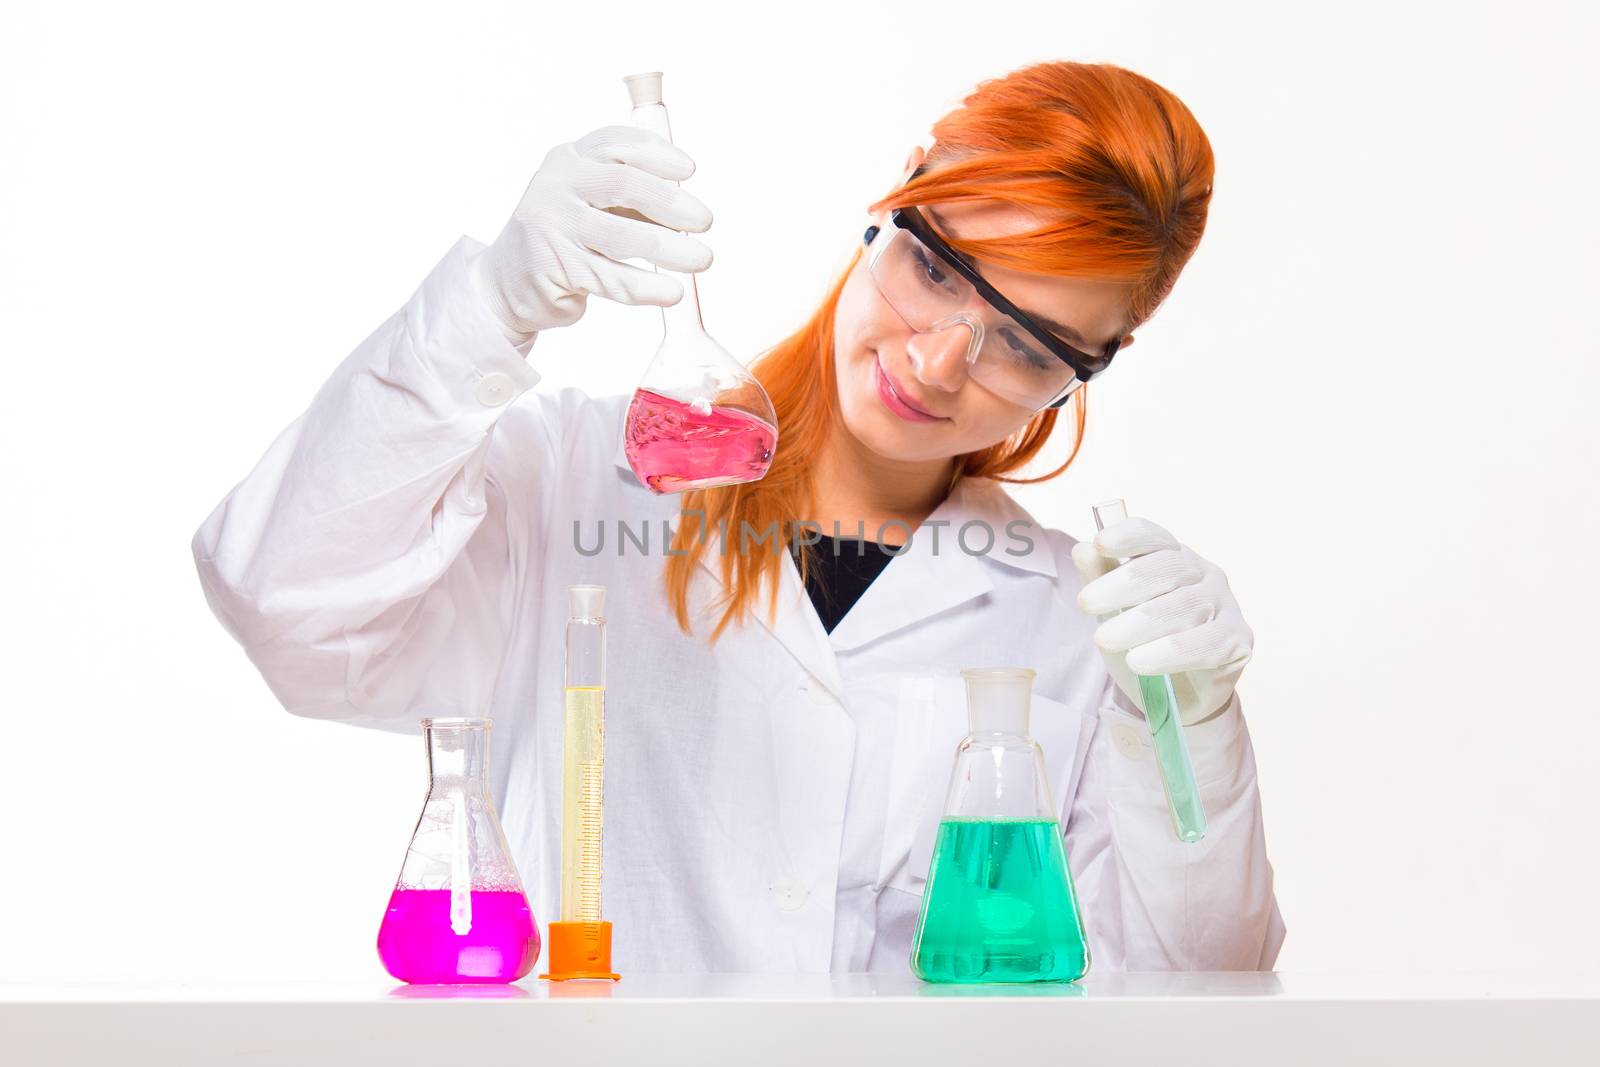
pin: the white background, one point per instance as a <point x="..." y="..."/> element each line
<point x="1368" y="400"/>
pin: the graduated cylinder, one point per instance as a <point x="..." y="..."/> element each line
<point x="580" y="942"/>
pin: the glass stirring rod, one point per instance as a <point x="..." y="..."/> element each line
<point x="1166" y="727"/>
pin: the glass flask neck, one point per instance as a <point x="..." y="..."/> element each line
<point x="999" y="770"/>
<point x="458" y="750"/>
<point x="684" y="316"/>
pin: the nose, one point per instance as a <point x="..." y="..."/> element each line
<point x="940" y="357"/>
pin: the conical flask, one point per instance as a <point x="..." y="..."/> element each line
<point x="999" y="905"/>
<point x="458" y="913"/>
<point x="698" y="419"/>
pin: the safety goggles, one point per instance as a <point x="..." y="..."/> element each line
<point x="933" y="288"/>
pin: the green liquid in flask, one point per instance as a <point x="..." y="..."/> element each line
<point x="999" y="906"/>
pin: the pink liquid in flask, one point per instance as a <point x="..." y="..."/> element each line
<point x="417" y="943"/>
<point x="673" y="447"/>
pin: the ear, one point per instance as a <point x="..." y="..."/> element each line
<point x="1127" y="343"/>
<point x="913" y="161"/>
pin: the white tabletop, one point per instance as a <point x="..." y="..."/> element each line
<point x="1238" y="1018"/>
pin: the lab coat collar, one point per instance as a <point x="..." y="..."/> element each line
<point x="934" y="574"/>
<point x="795" y="625"/>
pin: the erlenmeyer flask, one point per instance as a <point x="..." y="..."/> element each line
<point x="999" y="905"/>
<point x="699" y="418"/>
<point x="458" y="912"/>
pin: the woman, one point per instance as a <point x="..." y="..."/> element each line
<point x="782" y="718"/>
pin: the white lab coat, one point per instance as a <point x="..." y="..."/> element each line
<point x="403" y="549"/>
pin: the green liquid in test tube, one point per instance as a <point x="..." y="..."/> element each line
<point x="1166" y="727"/>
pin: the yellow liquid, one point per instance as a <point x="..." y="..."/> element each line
<point x="583" y="777"/>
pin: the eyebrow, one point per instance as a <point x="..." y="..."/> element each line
<point x="1061" y="328"/>
<point x="1066" y="332"/>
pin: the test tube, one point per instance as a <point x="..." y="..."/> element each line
<point x="1166" y="726"/>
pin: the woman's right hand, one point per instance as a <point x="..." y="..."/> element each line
<point x="562" y="244"/>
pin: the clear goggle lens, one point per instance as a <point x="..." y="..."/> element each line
<point x="930" y="296"/>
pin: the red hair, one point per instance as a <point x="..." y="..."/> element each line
<point x="1120" y="170"/>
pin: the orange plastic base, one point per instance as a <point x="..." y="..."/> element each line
<point x="580" y="950"/>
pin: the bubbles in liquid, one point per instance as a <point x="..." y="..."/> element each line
<point x="673" y="446"/>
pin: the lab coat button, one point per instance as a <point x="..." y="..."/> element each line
<point x="494" y="389"/>
<point x="1126" y="740"/>
<point x="789" y="895"/>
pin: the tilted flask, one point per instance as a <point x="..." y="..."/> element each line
<point x="698" y="418"/>
<point x="999" y="904"/>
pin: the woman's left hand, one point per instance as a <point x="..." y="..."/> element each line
<point x="1178" y="616"/>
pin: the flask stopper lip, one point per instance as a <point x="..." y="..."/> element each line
<point x="999" y="672"/>
<point x="456" y="722"/>
<point x="586" y="601"/>
<point x="997" y="699"/>
<point x="644" y="89"/>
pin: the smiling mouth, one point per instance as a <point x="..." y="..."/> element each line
<point x="902" y="399"/>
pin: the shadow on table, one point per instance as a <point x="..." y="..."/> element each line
<point x="459" y="992"/>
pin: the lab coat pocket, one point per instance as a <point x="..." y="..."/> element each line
<point x="1065" y="735"/>
<point x="931" y="720"/>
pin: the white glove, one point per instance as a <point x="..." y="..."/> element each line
<point x="1178" y="616"/>
<point x="561" y="245"/>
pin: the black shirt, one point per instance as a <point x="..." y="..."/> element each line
<point x="841" y="568"/>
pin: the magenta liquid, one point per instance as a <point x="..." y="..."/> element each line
<point x="417" y="944"/>
<point x="673" y="447"/>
